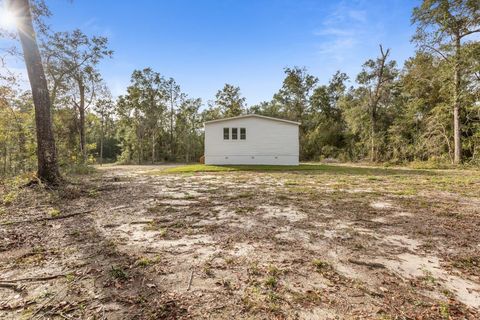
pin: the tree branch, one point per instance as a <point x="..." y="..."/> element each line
<point x="437" y="51"/>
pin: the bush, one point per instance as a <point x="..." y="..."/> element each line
<point x="431" y="165"/>
<point x="393" y="163"/>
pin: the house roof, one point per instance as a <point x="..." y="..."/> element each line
<point x="253" y="116"/>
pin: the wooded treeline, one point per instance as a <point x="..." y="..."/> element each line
<point x="426" y="110"/>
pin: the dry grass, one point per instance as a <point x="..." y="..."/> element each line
<point x="325" y="242"/>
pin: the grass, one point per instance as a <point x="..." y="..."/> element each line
<point x="210" y="168"/>
<point x="320" y="265"/>
<point x="271" y="281"/>
<point x="54" y="212"/>
<point x="444" y="311"/>
<point x="9" y="198"/>
<point x="145" y="262"/>
<point x="471" y="263"/>
<point x="118" y="273"/>
<point x="404" y="182"/>
<point x="327" y="168"/>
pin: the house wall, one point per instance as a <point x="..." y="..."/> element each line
<point x="268" y="142"/>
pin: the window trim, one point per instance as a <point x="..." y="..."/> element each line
<point x="235" y="135"/>
<point x="244" y="135"/>
<point x="226" y="133"/>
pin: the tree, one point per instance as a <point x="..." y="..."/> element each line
<point x="187" y="125"/>
<point x="421" y="129"/>
<point x="14" y="122"/>
<point x="149" y="91"/>
<point x="295" y="93"/>
<point x="443" y="27"/>
<point x="175" y="98"/>
<point x="471" y="125"/>
<point x="104" y="107"/>
<point x="46" y="153"/>
<point x="376" y="79"/>
<point x="138" y="112"/>
<point x="155" y="107"/>
<point x="293" y="99"/>
<point x="229" y="101"/>
<point x="212" y="112"/>
<point x="267" y="108"/>
<point x="326" y="127"/>
<point x="72" y="60"/>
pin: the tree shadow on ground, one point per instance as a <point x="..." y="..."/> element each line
<point x="118" y="279"/>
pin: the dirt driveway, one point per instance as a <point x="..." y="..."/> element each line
<point x="347" y="243"/>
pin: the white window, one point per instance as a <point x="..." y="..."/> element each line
<point x="226" y="133"/>
<point x="234" y="133"/>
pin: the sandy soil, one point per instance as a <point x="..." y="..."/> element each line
<point x="243" y="245"/>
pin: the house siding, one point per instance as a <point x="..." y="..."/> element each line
<point x="268" y="142"/>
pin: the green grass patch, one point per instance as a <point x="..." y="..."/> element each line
<point x="320" y="265"/>
<point x="9" y="198"/>
<point x="324" y="168"/>
<point x="118" y="273"/>
<point x="271" y="282"/>
<point x="145" y="262"/>
<point x="54" y="213"/>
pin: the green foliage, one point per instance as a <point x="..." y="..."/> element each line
<point x="229" y="101"/>
<point x="9" y="198"/>
<point x="394" y="116"/>
<point x="412" y="118"/>
<point x="17" y="142"/>
<point x="157" y="122"/>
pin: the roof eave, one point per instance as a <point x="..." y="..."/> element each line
<point x="254" y="116"/>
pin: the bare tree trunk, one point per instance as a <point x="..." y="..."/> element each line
<point x="372" y="136"/>
<point x="81" y="112"/>
<point x="457" y="131"/>
<point x="46" y="152"/>
<point x="140" y="154"/>
<point x="171" y="129"/>
<point x="102" y="134"/>
<point x="172" y="114"/>
<point x="83" y="147"/>
<point x="153" y="147"/>
<point x="140" y="146"/>
<point x="375" y="100"/>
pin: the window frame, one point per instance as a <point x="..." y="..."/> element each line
<point x="235" y="135"/>
<point x="226" y="133"/>
<point x="243" y="136"/>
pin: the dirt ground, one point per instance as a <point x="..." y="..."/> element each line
<point x="134" y="242"/>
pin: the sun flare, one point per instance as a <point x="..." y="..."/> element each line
<point x="7" y="18"/>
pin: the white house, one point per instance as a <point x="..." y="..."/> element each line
<point x="251" y="139"/>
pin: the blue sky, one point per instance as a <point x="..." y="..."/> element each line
<point x="204" y="44"/>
